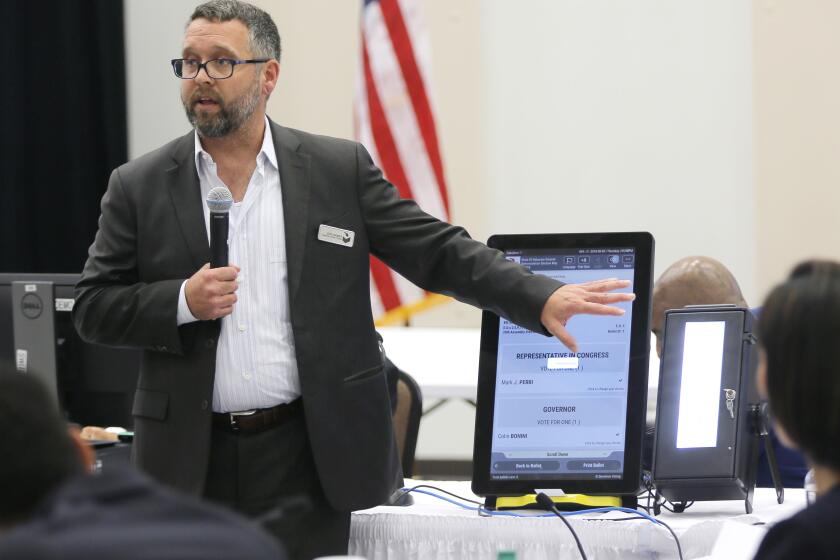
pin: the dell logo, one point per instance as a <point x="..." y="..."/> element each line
<point x="31" y="306"/>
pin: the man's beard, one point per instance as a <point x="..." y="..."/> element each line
<point x="229" y="118"/>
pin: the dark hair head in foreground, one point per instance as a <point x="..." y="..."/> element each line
<point x="800" y="333"/>
<point x="37" y="452"/>
<point x="815" y="267"/>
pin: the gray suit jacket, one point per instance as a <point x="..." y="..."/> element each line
<point x="152" y="236"/>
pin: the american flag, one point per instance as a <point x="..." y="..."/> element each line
<point x="395" y="122"/>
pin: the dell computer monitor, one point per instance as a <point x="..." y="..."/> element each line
<point x="94" y="384"/>
<point x="550" y="419"/>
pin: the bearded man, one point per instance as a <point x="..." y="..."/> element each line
<point x="261" y="385"/>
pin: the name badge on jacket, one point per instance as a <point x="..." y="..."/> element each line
<point x="336" y="235"/>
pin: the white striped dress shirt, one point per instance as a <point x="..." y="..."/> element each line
<point x="255" y="357"/>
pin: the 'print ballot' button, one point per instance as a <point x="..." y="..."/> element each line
<point x="593" y="465"/>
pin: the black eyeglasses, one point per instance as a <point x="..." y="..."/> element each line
<point x="218" y="68"/>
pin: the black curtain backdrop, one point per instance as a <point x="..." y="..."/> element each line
<point x="63" y="127"/>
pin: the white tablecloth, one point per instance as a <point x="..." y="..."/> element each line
<point x="434" y="529"/>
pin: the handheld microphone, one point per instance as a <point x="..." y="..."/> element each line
<point x="219" y="200"/>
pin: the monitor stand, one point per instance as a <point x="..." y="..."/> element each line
<point x="563" y="501"/>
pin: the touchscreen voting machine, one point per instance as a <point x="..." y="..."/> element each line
<point x="549" y="420"/>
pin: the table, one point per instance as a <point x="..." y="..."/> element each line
<point x="434" y="529"/>
<point x="443" y="361"/>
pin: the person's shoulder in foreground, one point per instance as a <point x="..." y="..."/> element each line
<point x="52" y="507"/>
<point x="812" y="533"/>
<point x="123" y="514"/>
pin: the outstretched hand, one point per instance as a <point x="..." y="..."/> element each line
<point x="590" y="298"/>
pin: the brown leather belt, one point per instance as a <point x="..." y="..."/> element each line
<point x="259" y="420"/>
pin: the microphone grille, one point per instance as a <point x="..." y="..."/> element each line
<point x="219" y="199"/>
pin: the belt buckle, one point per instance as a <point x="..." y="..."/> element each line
<point x="234" y="426"/>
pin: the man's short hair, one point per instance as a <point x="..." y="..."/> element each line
<point x="36" y="452"/>
<point x="262" y="32"/>
<point x="799" y="330"/>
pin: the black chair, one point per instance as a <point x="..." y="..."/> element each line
<point x="406" y="418"/>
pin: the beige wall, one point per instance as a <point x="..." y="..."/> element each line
<point x="797" y="133"/>
<point x="317" y="66"/>
<point x="154" y="31"/>
<point x="624" y="116"/>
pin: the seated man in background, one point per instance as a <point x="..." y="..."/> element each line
<point x="692" y="281"/>
<point x="798" y="372"/>
<point x="705" y="281"/>
<point x="51" y="507"/>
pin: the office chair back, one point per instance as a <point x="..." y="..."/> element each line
<point x="406" y="419"/>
